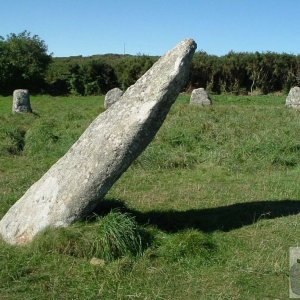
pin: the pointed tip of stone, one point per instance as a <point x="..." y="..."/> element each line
<point x="190" y="42"/>
<point x="188" y="45"/>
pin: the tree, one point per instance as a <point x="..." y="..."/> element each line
<point x="23" y="62"/>
<point x="98" y="78"/>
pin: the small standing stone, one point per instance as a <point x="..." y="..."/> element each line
<point x="293" y="98"/>
<point x="200" y="97"/>
<point x="21" y="101"/>
<point x="112" y="96"/>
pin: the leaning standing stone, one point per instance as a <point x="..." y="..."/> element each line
<point x="112" y="97"/>
<point x="73" y="186"/>
<point x="293" y="98"/>
<point x="21" y="101"/>
<point x="200" y="97"/>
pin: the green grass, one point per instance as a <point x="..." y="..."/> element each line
<point x="110" y="237"/>
<point x="208" y="211"/>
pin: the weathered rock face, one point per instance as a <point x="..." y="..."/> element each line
<point x="21" y="101"/>
<point x="200" y="97"/>
<point x="72" y="186"/>
<point x="293" y="98"/>
<point x="112" y="97"/>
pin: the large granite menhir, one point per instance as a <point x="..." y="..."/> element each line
<point x="72" y="187"/>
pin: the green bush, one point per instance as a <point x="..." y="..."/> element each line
<point x="23" y="62"/>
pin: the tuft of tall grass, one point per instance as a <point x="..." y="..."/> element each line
<point x="118" y="235"/>
<point x="110" y="237"/>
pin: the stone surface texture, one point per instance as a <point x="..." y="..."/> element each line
<point x="112" y="97"/>
<point x="200" y="97"/>
<point x="21" y="101"/>
<point x="293" y="98"/>
<point x="72" y="187"/>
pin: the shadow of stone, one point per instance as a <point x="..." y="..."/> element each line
<point x="224" y="218"/>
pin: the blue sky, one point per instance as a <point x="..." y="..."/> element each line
<point x="78" y="27"/>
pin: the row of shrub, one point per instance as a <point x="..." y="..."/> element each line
<point x="245" y="72"/>
<point x="238" y="73"/>
<point x="95" y="75"/>
<point x="24" y="63"/>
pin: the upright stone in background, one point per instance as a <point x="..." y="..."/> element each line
<point x="112" y="97"/>
<point x="200" y="97"/>
<point x="72" y="187"/>
<point x="21" y="101"/>
<point x="293" y="98"/>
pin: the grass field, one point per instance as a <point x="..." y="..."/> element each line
<point x="214" y="200"/>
